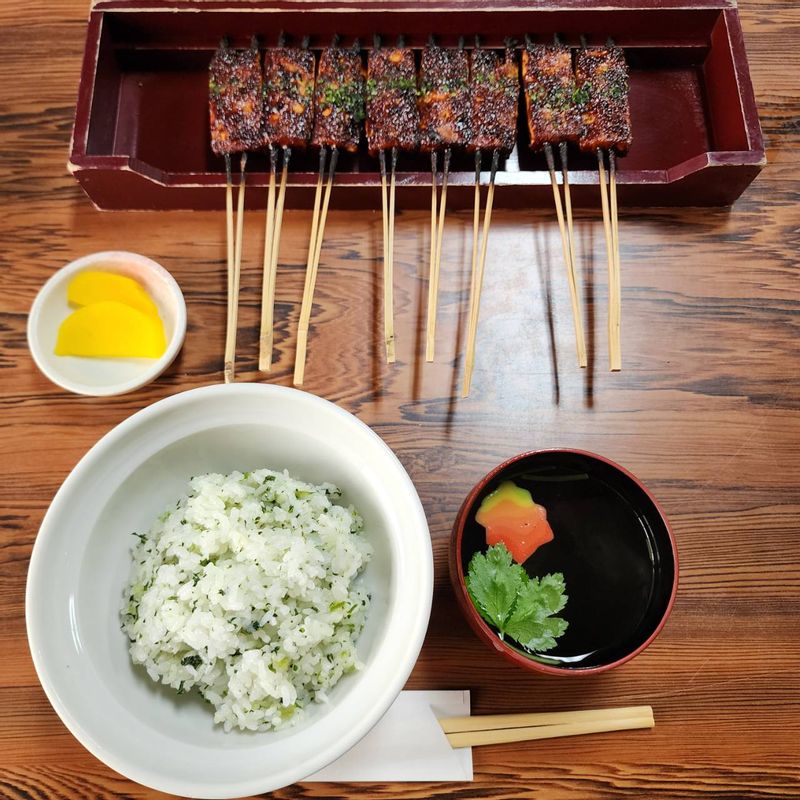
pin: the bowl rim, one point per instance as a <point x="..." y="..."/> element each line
<point x="36" y="346"/>
<point x="477" y="623"/>
<point x="142" y="773"/>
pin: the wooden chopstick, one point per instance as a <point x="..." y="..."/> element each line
<point x="489" y="722"/>
<point x="536" y="732"/>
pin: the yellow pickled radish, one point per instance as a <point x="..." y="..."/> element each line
<point x="111" y="329"/>
<point x="93" y="286"/>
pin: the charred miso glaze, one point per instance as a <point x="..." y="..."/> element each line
<point x="602" y="77"/>
<point x="494" y="89"/>
<point x="443" y="101"/>
<point x="551" y="95"/>
<point x="288" y="96"/>
<point x="392" y="117"/>
<point x="339" y="99"/>
<point x="235" y="100"/>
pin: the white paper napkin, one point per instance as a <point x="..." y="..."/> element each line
<point x="408" y="744"/>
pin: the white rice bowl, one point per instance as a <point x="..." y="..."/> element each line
<point x="81" y="566"/>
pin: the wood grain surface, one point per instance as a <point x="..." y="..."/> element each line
<point x="706" y="411"/>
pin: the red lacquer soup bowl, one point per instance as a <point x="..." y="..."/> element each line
<point x="612" y="543"/>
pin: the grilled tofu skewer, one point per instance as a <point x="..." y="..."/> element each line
<point x="288" y="119"/>
<point x="235" y="113"/>
<point x="392" y="123"/>
<point x="339" y="103"/>
<point x="602" y="77"/>
<point x="494" y="92"/>
<point x="553" y="113"/>
<point x="443" y="106"/>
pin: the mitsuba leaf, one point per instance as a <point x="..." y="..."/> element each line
<point x="532" y="623"/>
<point x="520" y="607"/>
<point x="493" y="583"/>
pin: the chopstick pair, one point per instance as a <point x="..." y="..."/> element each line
<point x="234" y="262"/>
<point x="504" y="728"/>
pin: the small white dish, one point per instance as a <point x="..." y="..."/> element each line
<point x="102" y="377"/>
<point x="81" y="562"/>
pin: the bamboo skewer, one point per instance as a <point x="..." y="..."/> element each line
<point x="609" y="250"/>
<point x="276" y="243"/>
<point x="433" y="289"/>
<point x="569" y="256"/>
<point x="324" y="213"/>
<point x="490" y="722"/>
<point x="387" y="197"/>
<point x="233" y="285"/>
<point x="432" y="268"/>
<point x="476" y="222"/>
<point x="477" y="285"/>
<point x="386" y="265"/>
<point x="573" y="281"/>
<point x="231" y="245"/>
<point x="268" y="286"/>
<point x="308" y="289"/>
<point x="615" y="293"/>
<point x="388" y="288"/>
<point x="538" y="732"/>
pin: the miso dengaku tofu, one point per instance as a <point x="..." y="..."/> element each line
<point x="603" y="82"/>
<point x="392" y="116"/>
<point x="339" y="99"/>
<point x="288" y="96"/>
<point x="235" y="88"/>
<point x="443" y="98"/>
<point x="494" y="92"/>
<point x="552" y="99"/>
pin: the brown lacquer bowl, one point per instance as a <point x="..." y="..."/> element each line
<point x="612" y="543"/>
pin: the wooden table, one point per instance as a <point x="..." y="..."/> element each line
<point x="706" y="412"/>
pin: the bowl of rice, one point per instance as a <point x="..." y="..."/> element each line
<point x="229" y="590"/>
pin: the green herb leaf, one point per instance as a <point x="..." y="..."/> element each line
<point x="532" y="623"/>
<point x="493" y="583"/>
<point x="518" y="606"/>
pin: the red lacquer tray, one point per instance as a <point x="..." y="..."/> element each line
<point x="141" y="138"/>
